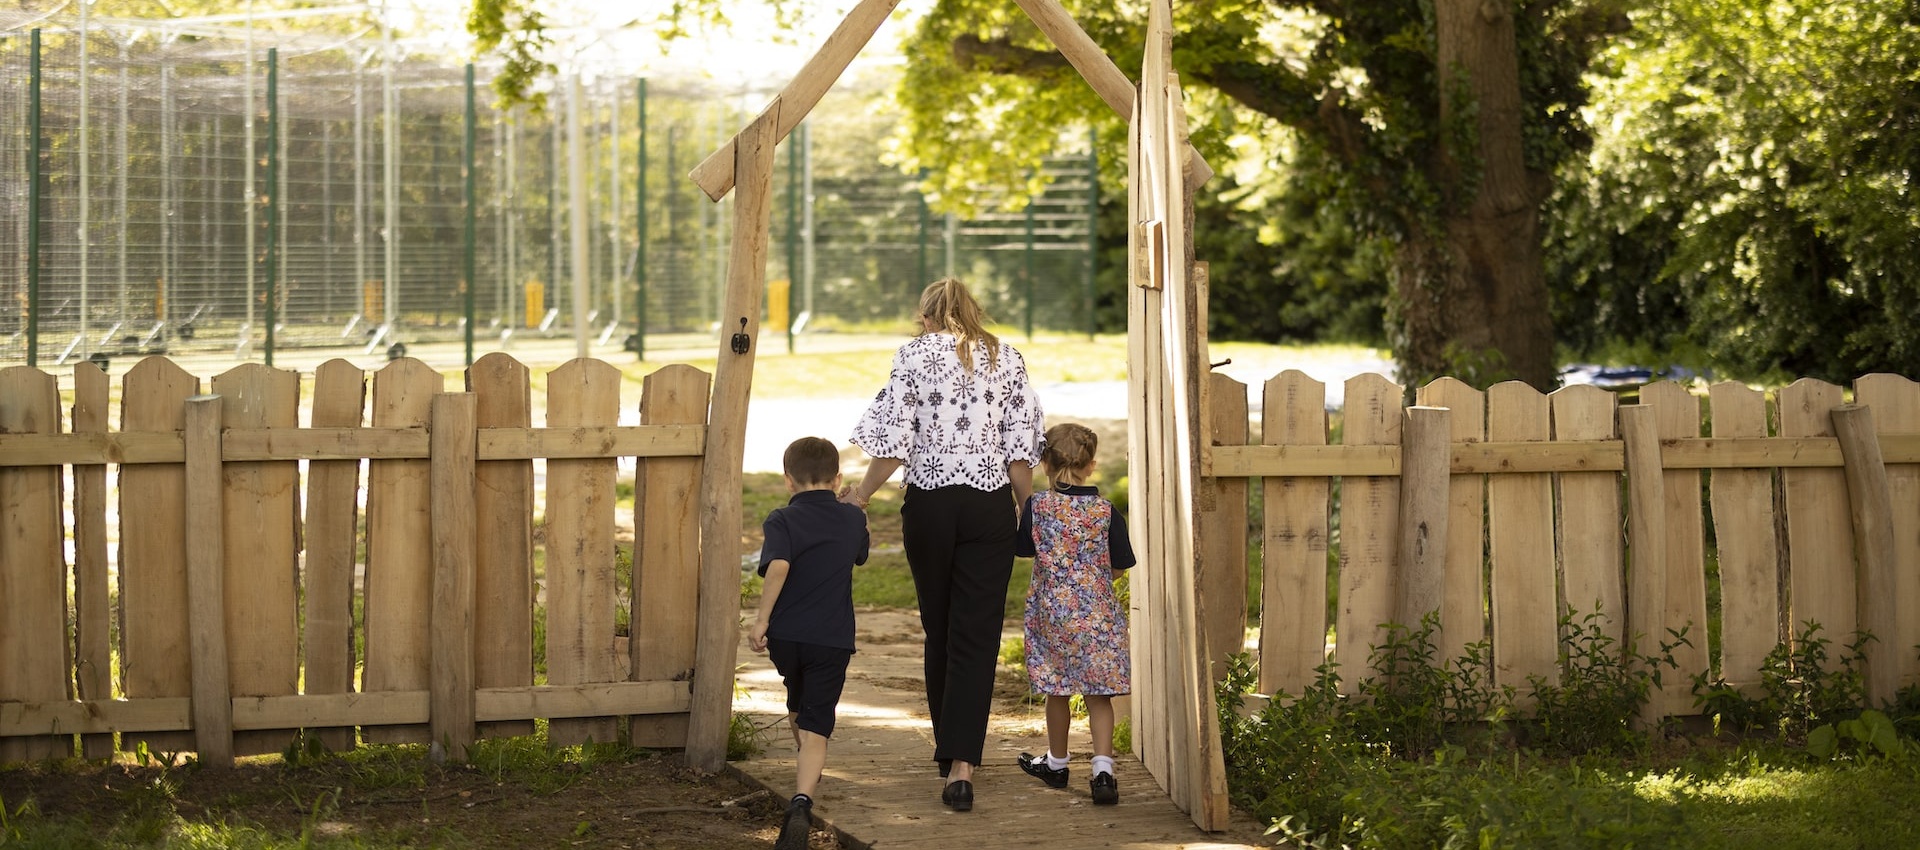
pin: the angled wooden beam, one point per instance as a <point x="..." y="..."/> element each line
<point x="1098" y="69"/>
<point x="714" y="174"/>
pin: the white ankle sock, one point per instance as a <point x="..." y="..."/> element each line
<point x="1102" y="764"/>
<point x="1056" y="762"/>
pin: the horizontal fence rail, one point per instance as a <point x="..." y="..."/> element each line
<point x="374" y="570"/>
<point x="1502" y="510"/>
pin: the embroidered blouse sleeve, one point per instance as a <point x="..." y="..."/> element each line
<point x="886" y="429"/>
<point x="1023" y="430"/>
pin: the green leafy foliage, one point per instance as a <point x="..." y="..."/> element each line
<point x="1599" y="690"/>
<point x="1799" y="689"/>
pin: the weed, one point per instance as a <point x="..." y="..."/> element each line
<point x="1600" y="689"/>
<point x="743" y="738"/>
<point x="1799" y="689"/>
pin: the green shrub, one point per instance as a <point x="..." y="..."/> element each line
<point x="1600" y="688"/>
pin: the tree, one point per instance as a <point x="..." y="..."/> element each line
<point x="1441" y="124"/>
<point x="1750" y="200"/>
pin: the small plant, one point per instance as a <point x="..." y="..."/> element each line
<point x="1799" y="689"/>
<point x="1869" y="735"/>
<point x="1600" y="689"/>
<point x="743" y="738"/>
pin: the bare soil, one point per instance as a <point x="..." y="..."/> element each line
<point x="647" y="801"/>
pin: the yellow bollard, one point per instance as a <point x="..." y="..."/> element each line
<point x="778" y="317"/>
<point x="536" y="302"/>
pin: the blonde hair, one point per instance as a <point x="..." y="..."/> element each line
<point x="1070" y="448"/>
<point x="948" y="305"/>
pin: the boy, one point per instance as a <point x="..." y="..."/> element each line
<point x="806" y="611"/>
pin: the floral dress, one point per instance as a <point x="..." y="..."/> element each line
<point x="1076" y="629"/>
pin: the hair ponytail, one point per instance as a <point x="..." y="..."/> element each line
<point x="948" y="306"/>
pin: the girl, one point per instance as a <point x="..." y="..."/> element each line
<point x="1076" y="630"/>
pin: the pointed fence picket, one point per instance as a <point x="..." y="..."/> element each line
<point x="236" y="612"/>
<point x="1554" y="477"/>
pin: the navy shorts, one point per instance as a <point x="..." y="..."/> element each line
<point x="814" y="675"/>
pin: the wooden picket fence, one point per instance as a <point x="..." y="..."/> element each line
<point x="1500" y="509"/>
<point x="239" y="603"/>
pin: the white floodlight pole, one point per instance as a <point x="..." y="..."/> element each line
<point x="390" y="102"/>
<point x="246" y="332"/>
<point x="577" y="205"/>
<point x="86" y="147"/>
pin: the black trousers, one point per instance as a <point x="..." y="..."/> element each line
<point x="959" y="544"/>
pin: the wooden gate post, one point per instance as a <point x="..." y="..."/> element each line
<point x="206" y="595"/>
<point x="451" y="694"/>
<point x="719" y="627"/>
<point x="1646" y="539"/>
<point x="1871" y="502"/>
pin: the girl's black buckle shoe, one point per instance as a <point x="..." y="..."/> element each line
<point x="1037" y="767"/>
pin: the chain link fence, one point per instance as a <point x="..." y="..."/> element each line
<point x="224" y="191"/>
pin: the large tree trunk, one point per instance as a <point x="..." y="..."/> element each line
<point x="1473" y="296"/>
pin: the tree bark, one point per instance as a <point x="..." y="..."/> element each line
<point x="1474" y="294"/>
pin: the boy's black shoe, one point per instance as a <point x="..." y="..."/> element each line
<point x="794" y="828"/>
<point x="958" y="795"/>
<point x="1106" y="789"/>
<point x="1036" y="767"/>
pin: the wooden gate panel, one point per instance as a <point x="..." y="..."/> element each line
<point x="1677" y="417"/>
<point x="155" y="657"/>
<point x="92" y="603"/>
<point x="1223" y="583"/>
<point x="1819" y="528"/>
<point x="34" y="663"/>
<point x="1520" y="527"/>
<point x="1369" y="529"/>
<point x="260" y="506"/>
<point x="1293" y="582"/>
<point x="1463" y="614"/>
<point x="1743" y="528"/>
<point x="1589" y="531"/>
<point x="399" y="571"/>
<point x="503" y="568"/>
<point x="666" y="547"/>
<point x="1895" y="401"/>
<point x="331" y="537"/>
<point x="580" y="578"/>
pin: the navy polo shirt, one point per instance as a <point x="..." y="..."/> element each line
<point x="821" y="540"/>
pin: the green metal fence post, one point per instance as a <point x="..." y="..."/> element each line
<point x="273" y="194"/>
<point x="640" y="240"/>
<point x="920" y="194"/>
<point x="1093" y="227"/>
<point x="471" y="200"/>
<point x="33" y="207"/>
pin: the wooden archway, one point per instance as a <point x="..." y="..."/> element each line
<point x="1175" y="729"/>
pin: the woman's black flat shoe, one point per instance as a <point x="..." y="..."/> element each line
<point x="958" y="795"/>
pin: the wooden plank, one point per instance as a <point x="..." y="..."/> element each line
<point x="666" y="551"/>
<point x="1896" y="412"/>
<point x="1744" y="530"/>
<point x="1223" y="530"/>
<point x="1677" y="413"/>
<point x="1369" y="516"/>
<point x="34" y="661"/>
<point x="1293" y="581"/>
<point x="454" y="535"/>
<point x="593" y="442"/>
<point x="1572" y="456"/>
<point x="1871" y="507"/>
<point x="331" y="534"/>
<point x="206" y="578"/>
<point x="1098" y="69"/>
<point x="715" y="175"/>
<point x="579" y="568"/>
<point x="1588" y="532"/>
<point x="260" y="556"/>
<point x="381" y="708"/>
<point x="326" y="443"/>
<point x="594" y="700"/>
<point x="1819" y="539"/>
<point x="1520" y="542"/>
<point x="1425" y="502"/>
<point x="92" y="602"/>
<point x="1142" y="353"/>
<point x="95" y="717"/>
<point x="155" y="655"/>
<point x="1463" y="617"/>
<point x="1646" y="541"/>
<point x="399" y="575"/>
<point x="719" y="639"/>
<point x="503" y="553"/>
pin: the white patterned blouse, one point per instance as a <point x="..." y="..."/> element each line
<point x="950" y="426"/>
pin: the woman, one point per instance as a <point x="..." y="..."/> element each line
<point x="959" y="414"/>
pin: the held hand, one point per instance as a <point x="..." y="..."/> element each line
<point x="757" y="637"/>
<point x="850" y="495"/>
